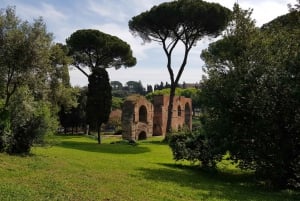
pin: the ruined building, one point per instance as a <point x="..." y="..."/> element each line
<point x="142" y="119"/>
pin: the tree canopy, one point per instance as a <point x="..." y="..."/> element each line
<point x="31" y="68"/>
<point x="251" y="97"/>
<point x="95" y="49"/>
<point x="182" y="21"/>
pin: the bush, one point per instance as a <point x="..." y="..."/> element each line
<point x="192" y="147"/>
<point x="4" y="127"/>
<point x="22" y="137"/>
<point x="24" y="122"/>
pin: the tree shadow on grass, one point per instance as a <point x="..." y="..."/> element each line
<point x="104" y="148"/>
<point x="214" y="185"/>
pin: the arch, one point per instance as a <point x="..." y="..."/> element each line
<point x="143" y="114"/>
<point x="187" y="115"/>
<point x="179" y="110"/>
<point x="142" y="135"/>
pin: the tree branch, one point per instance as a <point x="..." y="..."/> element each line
<point x="79" y="68"/>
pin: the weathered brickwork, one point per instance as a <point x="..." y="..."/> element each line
<point x="142" y="119"/>
<point x="137" y="118"/>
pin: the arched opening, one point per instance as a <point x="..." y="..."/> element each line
<point x="142" y="136"/>
<point x="187" y="115"/>
<point x="143" y="114"/>
<point x="179" y="110"/>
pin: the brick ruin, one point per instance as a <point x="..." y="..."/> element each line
<point x="142" y="119"/>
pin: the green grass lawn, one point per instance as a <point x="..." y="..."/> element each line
<point x="76" y="168"/>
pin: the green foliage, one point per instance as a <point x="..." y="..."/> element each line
<point x="24" y="54"/>
<point x="104" y="50"/>
<point x="99" y="99"/>
<point x="252" y="98"/>
<point x="117" y="103"/>
<point x="177" y="18"/>
<point x="192" y="147"/>
<point x="61" y="94"/>
<point x="4" y="127"/>
<point x="135" y="87"/>
<point x="28" y="120"/>
<point x="29" y="67"/>
<point x="188" y="93"/>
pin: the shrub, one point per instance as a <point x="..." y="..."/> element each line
<point x="22" y="137"/>
<point x="192" y="147"/>
<point x="26" y="121"/>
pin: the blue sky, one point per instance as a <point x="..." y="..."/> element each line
<point x="63" y="17"/>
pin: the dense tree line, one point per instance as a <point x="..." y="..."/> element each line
<point x="36" y="96"/>
<point x="34" y="82"/>
<point x="251" y="100"/>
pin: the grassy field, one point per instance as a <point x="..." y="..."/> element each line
<point x="76" y="168"/>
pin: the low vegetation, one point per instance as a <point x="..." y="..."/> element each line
<point x="77" y="168"/>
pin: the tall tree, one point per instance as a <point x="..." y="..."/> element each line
<point x="182" y="21"/>
<point x="252" y="97"/>
<point x="61" y="94"/>
<point x="25" y="67"/>
<point x="95" y="49"/>
<point x="99" y="99"/>
<point x="24" y="54"/>
<point x="98" y="51"/>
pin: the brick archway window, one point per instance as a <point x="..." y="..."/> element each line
<point x="142" y="136"/>
<point x="143" y="114"/>
<point x="179" y="110"/>
<point x="187" y="111"/>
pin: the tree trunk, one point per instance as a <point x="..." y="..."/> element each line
<point x="170" y="110"/>
<point x="99" y="136"/>
<point x="87" y="129"/>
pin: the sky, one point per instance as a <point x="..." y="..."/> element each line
<point x="63" y="17"/>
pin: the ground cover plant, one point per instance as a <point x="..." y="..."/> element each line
<point x="77" y="168"/>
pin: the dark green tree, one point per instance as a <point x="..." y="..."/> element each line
<point x="98" y="51"/>
<point x="149" y="89"/>
<point x="99" y="100"/>
<point x="25" y="68"/>
<point x="95" y="49"/>
<point x="60" y="91"/>
<point x="182" y="21"/>
<point x="135" y="87"/>
<point x="24" y="54"/>
<point x="252" y="97"/>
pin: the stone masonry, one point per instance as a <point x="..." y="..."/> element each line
<point x="137" y="118"/>
<point x="142" y="119"/>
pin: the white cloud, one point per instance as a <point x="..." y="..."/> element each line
<point x="266" y="11"/>
<point x="47" y="11"/>
<point x="112" y="16"/>
<point x="108" y="9"/>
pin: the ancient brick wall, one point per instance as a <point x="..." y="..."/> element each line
<point x="137" y="118"/>
<point x="181" y="114"/>
<point x="141" y="119"/>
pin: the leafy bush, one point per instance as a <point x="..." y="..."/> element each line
<point x="4" y="128"/>
<point x="22" y="137"/>
<point x="26" y="121"/>
<point x="192" y="147"/>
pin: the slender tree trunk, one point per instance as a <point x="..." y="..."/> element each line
<point x="170" y="109"/>
<point x="99" y="136"/>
